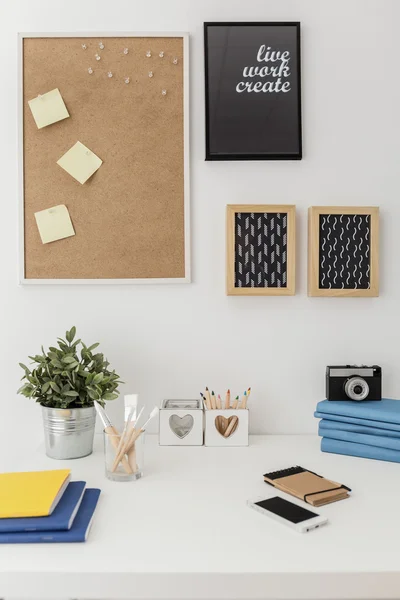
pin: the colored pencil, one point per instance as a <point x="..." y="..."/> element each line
<point x="213" y="401"/>
<point x="247" y="397"/>
<point x="208" y="399"/>
<point x="244" y="401"/>
<point x="228" y="399"/>
<point x="235" y="403"/>
<point x="218" y="401"/>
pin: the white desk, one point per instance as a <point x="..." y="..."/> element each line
<point x="184" y="531"/>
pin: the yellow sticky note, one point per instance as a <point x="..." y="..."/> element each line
<point x="48" y="108"/>
<point x="54" y="224"/>
<point x="80" y="162"/>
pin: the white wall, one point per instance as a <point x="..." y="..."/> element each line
<point x="171" y="341"/>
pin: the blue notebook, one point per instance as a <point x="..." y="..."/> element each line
<point x="355" y="421"/>
<point x="78" y="532"/>
<point x="384" y="410"/>
<point x="61" y="518"/>
<point x="360" y="438"/>
<point x="361" y="450"/>
<point x="326" y="424"/>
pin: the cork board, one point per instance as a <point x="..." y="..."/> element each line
<point x="131" y="218"/>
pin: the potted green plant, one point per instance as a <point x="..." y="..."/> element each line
<point x="65" y="381"/>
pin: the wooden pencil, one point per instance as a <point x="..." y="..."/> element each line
<point x="244" y="401"/>
<point x="247" y="397"/>
<point x="235" y="402"/>
<point x="228" y="399"/>
<point x="208" y="399"/>
<point x="213" y="401"/>
<point x="218" y="401"/>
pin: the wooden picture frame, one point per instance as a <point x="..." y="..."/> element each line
<point x="240" y="124"/>
<point x="261" y="249"/>
<point x="343" y="251"/>
<point x="121" y="276"/>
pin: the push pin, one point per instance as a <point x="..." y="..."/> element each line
<point x="161" y="55"/>
<point x="163" y="92"/>
<point x="109" y="74"/>
<point x="126" y="79"/>
<point x="148" y="53"/>
<point x="84" y="46"/>
<point x="101" y="45"/>
<point x="126" y="51"/>
<point x="97" y="56"/>
<point x="90" y="70"/>
<point x="151" y="73"/>
<point x="175" y="61"/>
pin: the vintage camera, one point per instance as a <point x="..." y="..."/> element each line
<point x="351" y="382"/>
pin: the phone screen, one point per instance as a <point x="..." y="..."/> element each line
<point x="287" y="510"/>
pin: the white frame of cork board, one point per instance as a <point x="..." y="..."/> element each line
<point x="21" y="262"/>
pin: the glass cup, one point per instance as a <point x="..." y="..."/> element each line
<point x="120" y="466"/>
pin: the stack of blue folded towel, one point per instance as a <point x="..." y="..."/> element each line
<point x="369" y="429"/>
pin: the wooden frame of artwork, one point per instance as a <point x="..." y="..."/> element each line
<point x="343" y="251"/>
<point x="125" y="245"/>
<point x="261" y="249"/>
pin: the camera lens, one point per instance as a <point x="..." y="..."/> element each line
<point x="356" y="388"/>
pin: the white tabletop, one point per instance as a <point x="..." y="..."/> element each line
<point x="184" y="530"/>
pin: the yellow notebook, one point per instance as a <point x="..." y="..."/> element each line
<point x="33" y="494"/>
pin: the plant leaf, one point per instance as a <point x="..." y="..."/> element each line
<point x="97" y="378"/>
<point x="54" y="386"/>
<point x="71" y="393"/>
<point x="109" y="396"/>
<point x="93" y="346"/>
<point x="68" y="359"/>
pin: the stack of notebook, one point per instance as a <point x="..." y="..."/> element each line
<point x="45" y="506"/>
<point x="369" y="429"/>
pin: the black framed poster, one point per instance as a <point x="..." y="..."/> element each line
<point x="253" y="91"/>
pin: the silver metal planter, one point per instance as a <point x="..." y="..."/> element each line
<point x="68" y="433"/>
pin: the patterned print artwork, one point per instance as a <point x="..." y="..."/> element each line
<point x="260" y="250"/>
<point x="344" y="251"/>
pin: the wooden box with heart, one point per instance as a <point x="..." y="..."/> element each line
<point x="181" y="423"/>
<point x="226" y="427"/>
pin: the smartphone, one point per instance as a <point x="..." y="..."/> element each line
<point x="290" y="514"/>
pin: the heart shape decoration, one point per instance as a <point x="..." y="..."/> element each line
<point x="181" y="426"/>
<point x="226" y="427"/>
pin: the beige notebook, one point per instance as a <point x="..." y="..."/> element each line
<point x="307" y="486"/>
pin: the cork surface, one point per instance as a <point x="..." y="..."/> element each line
<point x="129" y="216"/>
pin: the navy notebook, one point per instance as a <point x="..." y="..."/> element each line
<point x="61" y="518"/>
<point x="78" y="532"/>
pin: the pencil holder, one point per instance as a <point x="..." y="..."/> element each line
<point x="228" y="427"/>
<point x="125" y="467"/>
<point x="181" y="423"/>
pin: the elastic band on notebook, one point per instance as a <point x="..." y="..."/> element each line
<point x="341" y="487"/>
